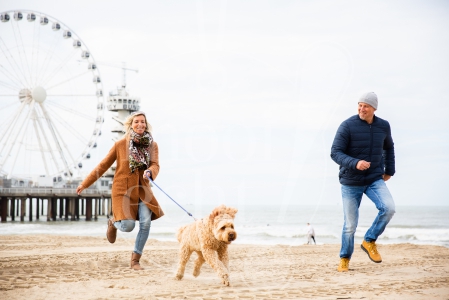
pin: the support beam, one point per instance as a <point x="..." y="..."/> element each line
<point x="77" y="208"/>
<point x="72" y="209"/>
<point x="89" y="209"/>
<point x="30" y="209"/>
<point x="109" y="208"/>
<point x="13" y="209"/>
<point x="54" y="203"/>
<point x="37" y="208"/>
<point x="96" y="209"/>
<point x="67" y="208"/>
<point x="49" y="210"/>
<point x="4" y="209"/>
<point x="61" y="208"/>
<point x="22" y="209"/>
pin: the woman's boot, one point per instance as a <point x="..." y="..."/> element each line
<point x="111" y="233"/>
<point x="135" y="261"/>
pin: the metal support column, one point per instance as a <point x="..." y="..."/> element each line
<point x="54" y="212"/>
<point x="22" y="209"/>
<point x="88" y="209"/>
<point x="37" y="208"/>
<point x="96" y="209"/>
<point x="30" y="209"/>
<point x="50" y="209"/>
<point x="4" y="209"/>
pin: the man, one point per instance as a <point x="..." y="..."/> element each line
<point x="364" y="149"/>
<point x="310" y="234"/>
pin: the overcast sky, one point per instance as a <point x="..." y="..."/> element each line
<point x="245" y="97"/>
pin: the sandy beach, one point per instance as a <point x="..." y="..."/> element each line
<point x="67" y="267"/>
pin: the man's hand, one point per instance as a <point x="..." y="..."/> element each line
<point x="363" y="165"/>
<point x="386" y="177"/>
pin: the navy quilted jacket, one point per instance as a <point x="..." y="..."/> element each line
<point x="357" y="140"/>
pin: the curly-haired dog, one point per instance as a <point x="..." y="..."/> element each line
<point x="209" y="238"/>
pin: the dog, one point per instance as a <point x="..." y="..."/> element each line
<point x="209" y="238"/>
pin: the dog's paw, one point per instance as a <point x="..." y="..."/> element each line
<point x="196" y="273"/>
<point x="225" y="280"/>
<point x="179" y="276"/>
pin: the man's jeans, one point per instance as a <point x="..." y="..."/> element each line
<point x="144" y="227"/>
<point x="352" y="196"/>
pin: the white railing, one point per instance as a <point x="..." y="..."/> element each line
<point x="66" y="191"/>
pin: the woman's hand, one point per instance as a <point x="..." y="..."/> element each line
<point x="79" y="189"/>
<point x="147" y="173"/>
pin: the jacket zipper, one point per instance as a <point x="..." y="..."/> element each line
<point x="370" y="143"/>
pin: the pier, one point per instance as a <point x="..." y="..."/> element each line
<point x="26" y="203"/>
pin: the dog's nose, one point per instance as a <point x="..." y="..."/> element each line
<point x="231" y="236"/>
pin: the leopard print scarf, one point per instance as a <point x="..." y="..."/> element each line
<point x="139" y="150"/>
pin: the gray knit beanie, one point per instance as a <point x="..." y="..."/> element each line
<point x="369" y="98"/>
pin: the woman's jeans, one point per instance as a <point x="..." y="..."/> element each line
<point x="144" y="227"/>
<point x="352" y="196"/>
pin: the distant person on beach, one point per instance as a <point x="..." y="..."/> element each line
<point x="310" y="234"/>
<point x="137" y="156"/>
<point x="364" y="149"/>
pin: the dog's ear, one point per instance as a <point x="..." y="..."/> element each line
<point x="215" y="212"/>
<point x="231" y="211"/>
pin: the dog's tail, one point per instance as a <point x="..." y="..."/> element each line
<point x="180" y="231"/>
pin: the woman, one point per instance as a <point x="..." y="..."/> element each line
<point x="137" y="155"/>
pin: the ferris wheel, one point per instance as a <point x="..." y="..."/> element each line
<point x="51" y="97"/>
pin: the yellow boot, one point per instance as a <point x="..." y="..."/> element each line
<point x="371" y="249"/>
<point x="344" y="265"/>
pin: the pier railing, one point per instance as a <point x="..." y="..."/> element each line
<point x="37" y="192"/>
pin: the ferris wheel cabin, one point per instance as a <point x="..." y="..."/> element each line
<point x="18" y="16"/>
<point x="44" y="20"/>
<point x="4" y="17"/>
<point x="31" y="17"/>
<point x="67" y="34"/>
<point x="56" y="26"/>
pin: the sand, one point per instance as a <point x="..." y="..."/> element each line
<point x="66" y="267"/>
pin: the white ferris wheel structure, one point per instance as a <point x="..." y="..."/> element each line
<point x="51" y="97"/>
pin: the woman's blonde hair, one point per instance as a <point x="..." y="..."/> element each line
<point x="129" y="120"/>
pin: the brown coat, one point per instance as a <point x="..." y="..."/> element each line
<point x="127" y="187"/>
